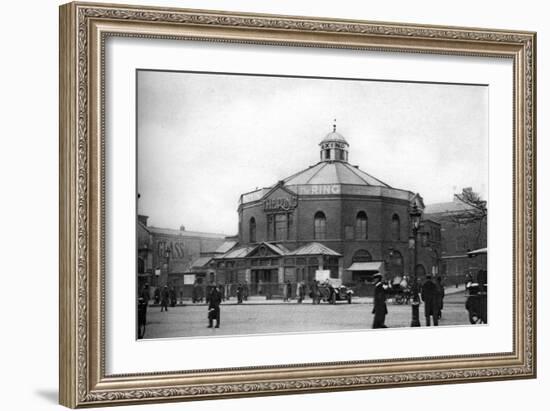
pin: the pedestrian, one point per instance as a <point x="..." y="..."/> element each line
<point x="286" y="291"/>
<point x="245" y="290"/>
<point x="195" y="292"/>
<point x="239" y="293"/>
<point x="164" y="299"/>
<point x="303" y="291"/>
<point x="143" y="302"/>
<point x="315" y="292"/>
<point x="227" y="290"/>
<point x="215" y="300"/>
<point x="173" y="299"/>
<point x="380" y="309"/>
<point x="430" y="297"/>
<point x="157" y="296"/>
<point x="441" y="294"/>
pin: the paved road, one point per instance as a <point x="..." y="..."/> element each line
<point x="190" y="321"/>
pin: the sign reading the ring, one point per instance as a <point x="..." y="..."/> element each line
<point x="282" y="203"/>
<point x="319" y="189"/>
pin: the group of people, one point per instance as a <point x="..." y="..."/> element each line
<point x="300" y="291"/>
<point x="200" y="293"/>
<point x="431" y="294"/>
<point x="164" y="297"/>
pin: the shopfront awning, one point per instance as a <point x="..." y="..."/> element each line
<point x="478" y="252"/>
<point x="373" y="266"/>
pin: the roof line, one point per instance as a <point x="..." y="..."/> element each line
<point x="301" y="171"/>
<point x="352" y="169"/>
<point x="338" y="176"/>
<point x="317" y="172"/>
<point x="355" y="171"/>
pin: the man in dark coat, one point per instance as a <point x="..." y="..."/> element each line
<point x="430" y="297"/>
<point x="214" y="307"/>
<point x="245" y="291"/>
<point x="173" y="297"/>
<point x="143" y="302"/>
<point x="315" y="292"/>
<point x="239" y="294"/>
<point x="164" y="299"/>
<point x="157" y="295"/>
<point x="380" y="309"/>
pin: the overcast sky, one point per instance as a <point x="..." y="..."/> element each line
<point x="203" y="139"/>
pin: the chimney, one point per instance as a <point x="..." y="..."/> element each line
<point x="143" y="219"/>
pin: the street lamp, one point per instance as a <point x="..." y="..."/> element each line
<point x="415" y="215"/>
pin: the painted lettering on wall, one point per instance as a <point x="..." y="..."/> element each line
<point x="320" y="189"/>
<point x="176" y="250"/>
<point x="282" y="203"/>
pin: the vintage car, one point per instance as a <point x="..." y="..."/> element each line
<point x="332" y="292"/>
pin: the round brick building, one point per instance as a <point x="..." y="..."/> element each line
<point x="331" y="216"/>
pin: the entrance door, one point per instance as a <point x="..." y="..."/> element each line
<point x="264" y="281"/>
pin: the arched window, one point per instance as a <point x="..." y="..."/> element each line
<point x="361" y="256"/>
<point x="141" y="265"/>
<point x="252" y="230"/>
<point x="361" y="226"/>
<point x="395" y="228"/>
<point x="320" y="226"/>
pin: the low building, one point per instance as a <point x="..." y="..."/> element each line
<point x="459" y="237"/>
<point x="164" y="255"/>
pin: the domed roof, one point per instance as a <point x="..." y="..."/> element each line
<point x="333" y="136"/>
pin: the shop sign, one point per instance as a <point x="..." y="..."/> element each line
<point x="281" y="203"/>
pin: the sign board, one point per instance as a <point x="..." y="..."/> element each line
<point x="189" y="279"/>
<point x="157" y="271"/>
<point x="281" y="203"/>
<point x="322" y="275"/>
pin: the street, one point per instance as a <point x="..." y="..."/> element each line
<point x="278" y="317"/>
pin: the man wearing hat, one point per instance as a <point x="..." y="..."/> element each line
<point x="164" y="299"/>
<point x="380" y="309"/>
<point x="214" y="307"/>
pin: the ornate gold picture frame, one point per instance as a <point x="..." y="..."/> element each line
<point x="84" y="30"/>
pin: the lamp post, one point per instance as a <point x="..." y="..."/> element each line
<point x="415" y="215"/>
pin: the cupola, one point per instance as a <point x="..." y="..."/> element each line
<point x="334" y="146"/>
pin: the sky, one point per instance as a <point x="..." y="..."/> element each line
<point x="204" y="139"/>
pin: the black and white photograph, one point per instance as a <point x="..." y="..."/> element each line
<point x="271" y="204"/>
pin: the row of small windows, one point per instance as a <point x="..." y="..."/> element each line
<point x="279" y="225"/>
